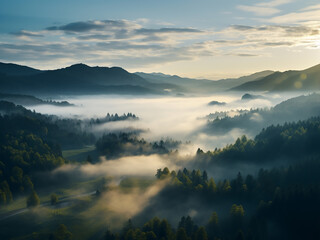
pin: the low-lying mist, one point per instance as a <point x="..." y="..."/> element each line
<point x="125" y="166"/>
<point x="160" y="117"/>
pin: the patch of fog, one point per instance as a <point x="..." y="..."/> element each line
<point x="125" y="166"/>
<point x="115" y="206"/>
<point x="256" y="117"/>
<point x="210" y="142"/>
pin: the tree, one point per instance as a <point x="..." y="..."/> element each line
<point x="33" y="200"/>
<point x="212" y="185"/>
<point x="89" y="159"/>
<point x="204" y="176"/>
<point x="181" y="234"/>
<point x="54" y="199"/>
<point x="213" y="226"/>
<point x="201" y="234"/>
<point x="151" y="235"/>
<point x="109" y="235"/>
<point x="164" y="231"/>
<point x="62" y="233"/>
<point x="237" y="214"/>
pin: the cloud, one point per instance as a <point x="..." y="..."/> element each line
<point x="311" y="13"/>
<point x="119" y="29"/>
<point x="245" y="55"/>
<point x="286" y="30"/>
<point x="312" y="7"/>
<point x="242" y="27"/>
<point x="274" y="3"/>
<point x="259" y="11"/>
<point x="264" y="8"/>
<point x="92" y="25"/>
<point x="24" y="33"/>
<point x="167" y="30"/>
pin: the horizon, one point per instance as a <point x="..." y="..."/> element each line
<point x="202" y="40"/>
<point x="161" y="73"/>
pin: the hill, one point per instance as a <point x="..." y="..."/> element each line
<point x="201" y="85"/>
<point x="28" y="100"/>
<point x="293" y="141"/>
<point x="305" y="80"/>
<point x="294" y="109"/>
<point x="76" y="79"/>
<point x="10" y="69"/>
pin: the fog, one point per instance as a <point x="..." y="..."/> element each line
<point x="125" y="166"/>
<point x="160" y="117"/>
<point x="116" y="206"/>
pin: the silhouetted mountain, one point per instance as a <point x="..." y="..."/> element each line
<point x="10" y="69"/>
<point x="308" y="79"/>
<point x="27" y="100"/>
<point x="78" y="79"/>
<point x="201" y="85"/>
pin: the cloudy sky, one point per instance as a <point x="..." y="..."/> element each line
<point x="193" y="38"/>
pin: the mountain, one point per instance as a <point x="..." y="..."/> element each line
<point x="82" y="79"/>
<point x="201" y="85"/>
<point x="308" y="79"/>
<point x="10" y="69"/>
<point x="28" y="100"/>
<point x="76" y="79"/>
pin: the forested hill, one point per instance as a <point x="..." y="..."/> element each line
<point x="48" y="127"/>
<point x="308" y="79"/>
<point x="290" y="141"/>
<point x="253" y="121"/>
<point x="26" y="146"/>
<point x="30" y="142"/>
<point x="28" y="100"/>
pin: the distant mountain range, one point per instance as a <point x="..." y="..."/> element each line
<point x="76" y="79"/>
<point x="81" y="79"/>
<point x="305" y="80"/>
<point x="202" y="85"/>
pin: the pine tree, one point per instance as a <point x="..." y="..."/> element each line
<point x="33" y="200"/>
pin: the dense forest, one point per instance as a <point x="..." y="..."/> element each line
<point x="129" y="144"/>
<point x="276" y="204"/>
<point x="289" y="141"/>
<point x="254" y="120"/>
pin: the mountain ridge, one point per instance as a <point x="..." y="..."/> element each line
<point x="292" y="80"/>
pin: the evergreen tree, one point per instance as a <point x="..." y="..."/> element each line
<point x="62" y="233"/>
<point x="181" y="234"/>
<point x="164" y="231"/>
<point x="201" y="234"/>
<point x="33" y="200"/>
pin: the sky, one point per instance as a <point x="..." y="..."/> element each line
<point x="210" y="39"/>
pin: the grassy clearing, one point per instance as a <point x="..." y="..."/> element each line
<point x="81" y="154"/>
<point x="77" y="151"/>
<point x="136" y="182"/>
